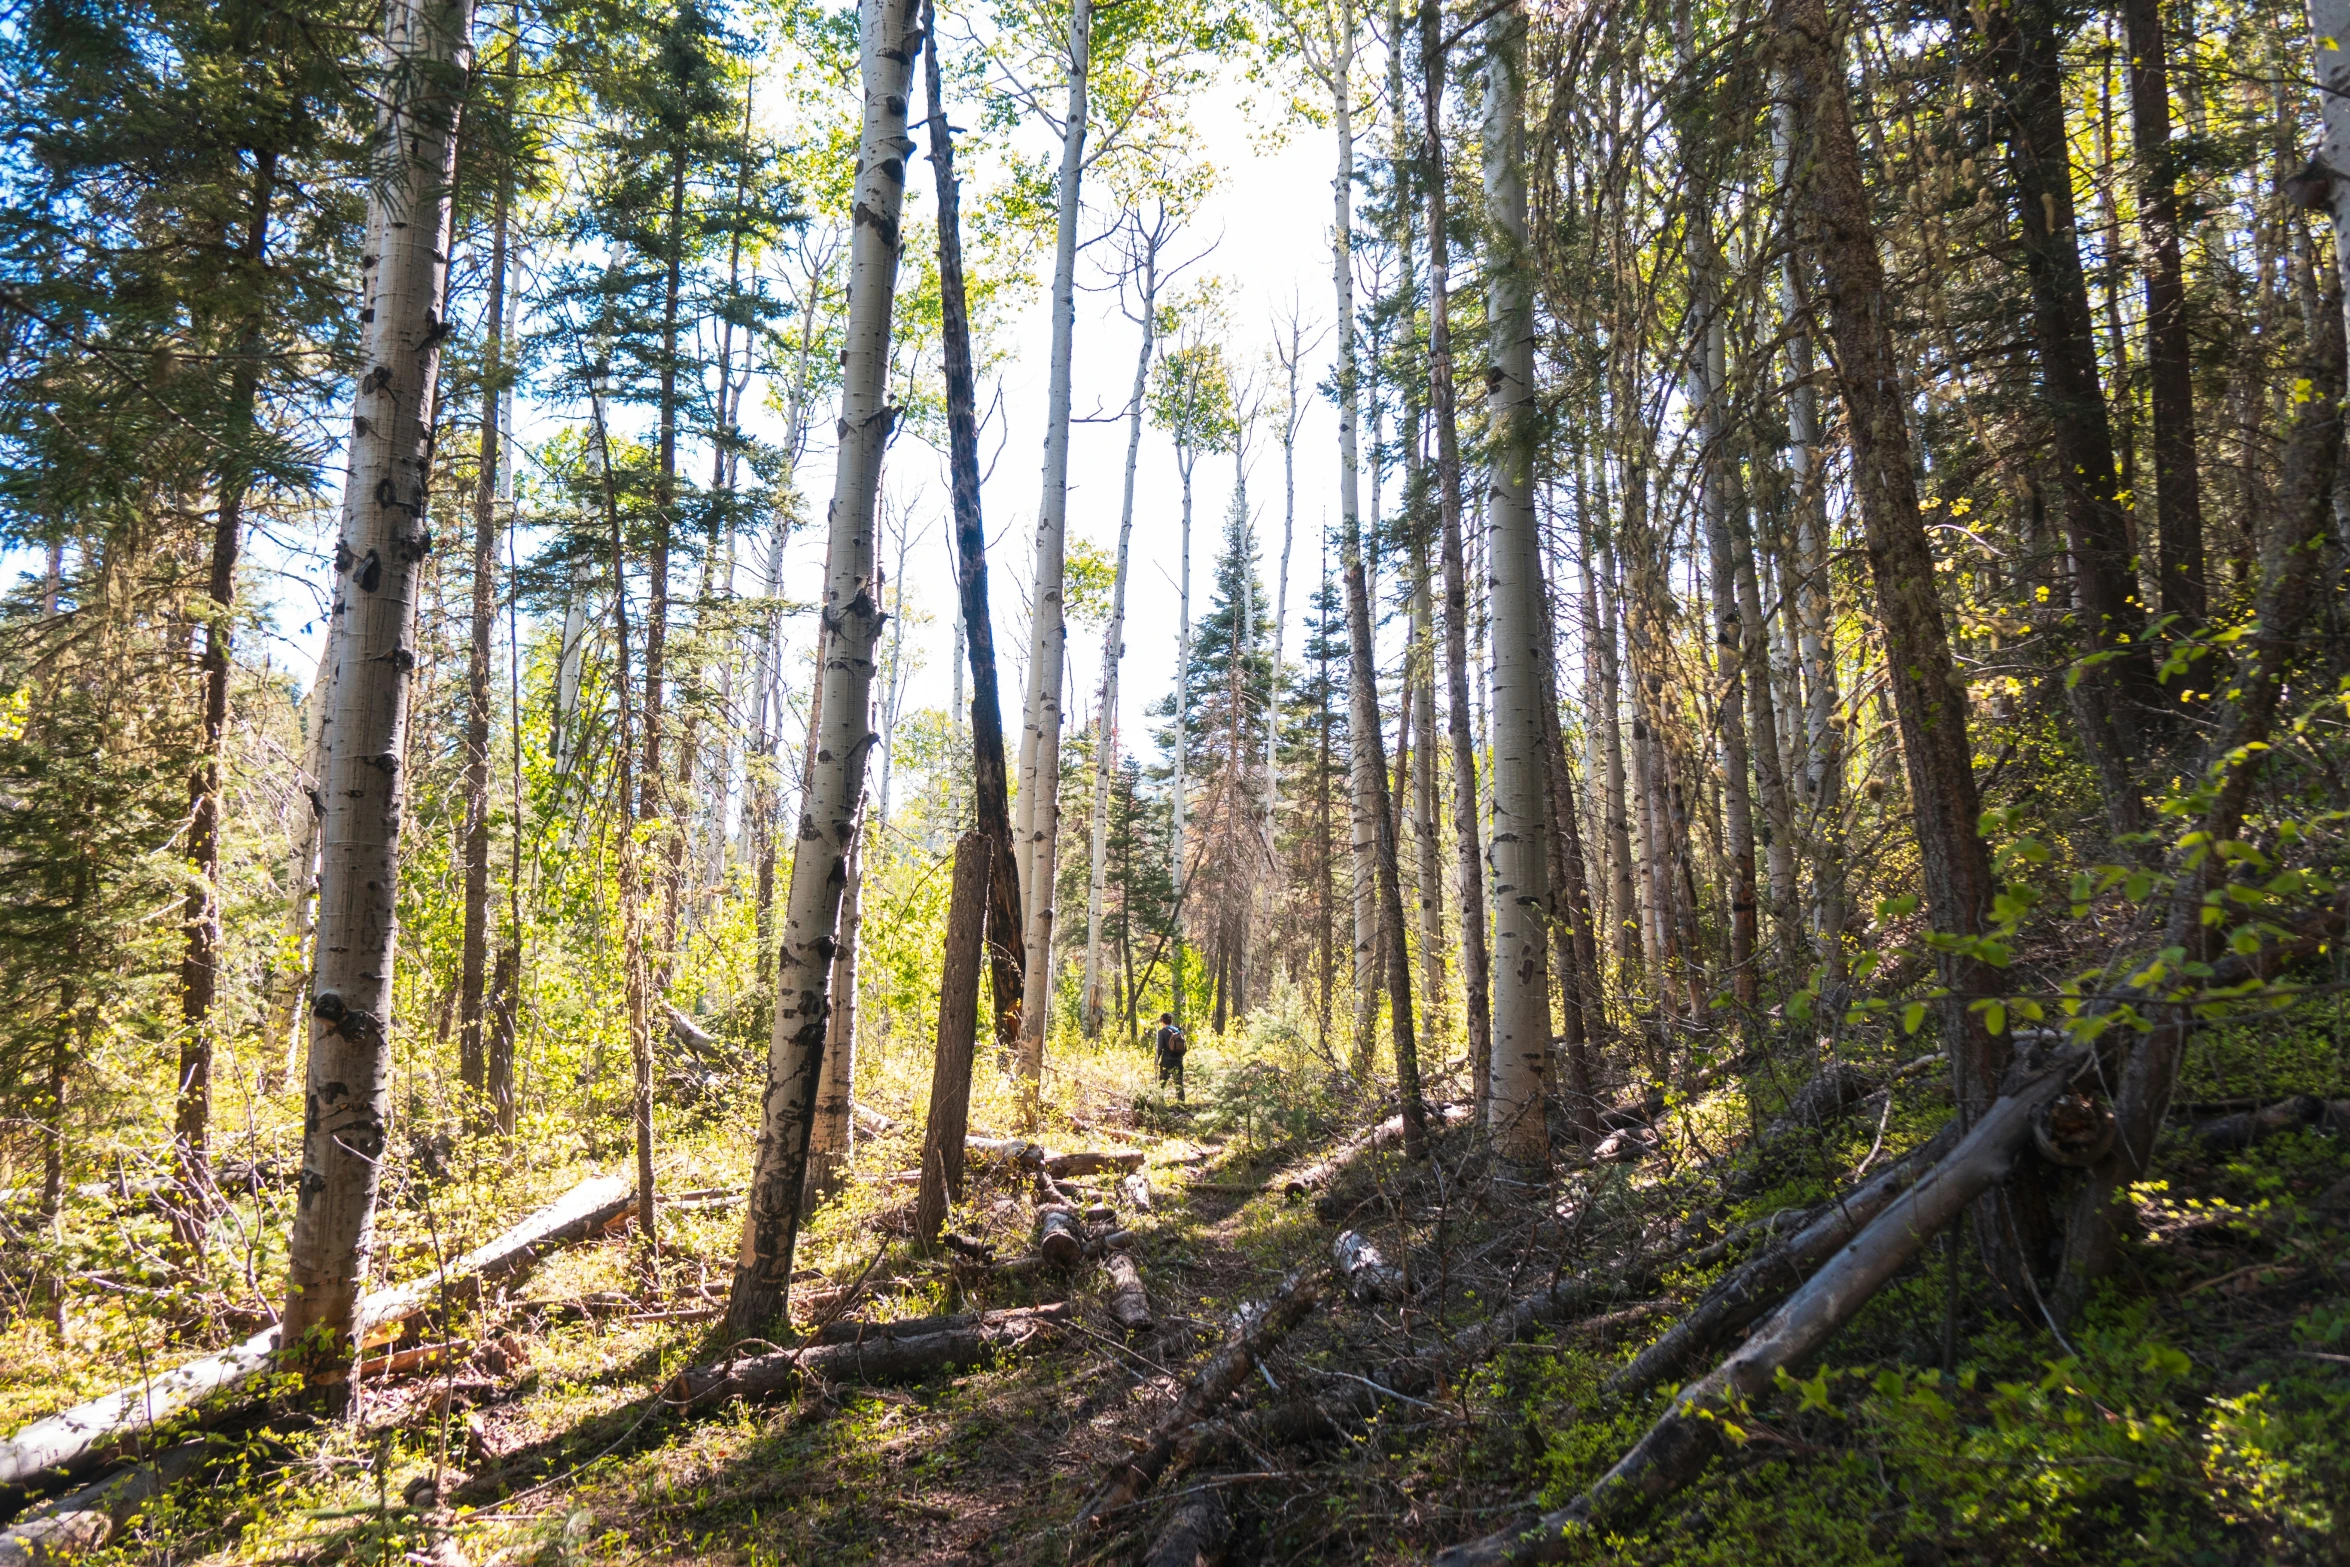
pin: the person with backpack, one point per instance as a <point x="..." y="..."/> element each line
<point x="1172" y="1045"/>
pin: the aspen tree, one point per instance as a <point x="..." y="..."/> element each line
<point x="1521" y="635"/>
<point x="888" y="32"/>
<point x="378" y="565"/>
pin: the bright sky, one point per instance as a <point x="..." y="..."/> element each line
<point x="1269" y="221"/>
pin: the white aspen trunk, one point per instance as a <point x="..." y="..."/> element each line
<point x="2329" y="22"/>
<point x="379" y="564"/>
<point x="1823" y="777"/>
<point x="1281" y="590"/>
<point x="1040" y="741"/>
<point x="1429" y="852"/>
<point x="1363" y="697"/>
<point x="1113" y="649"/>
<point x="1184" y="458"/>
<point x="301" y="880"/>
<point x="569" y="665"/>
<point x="829" y="1141"/>
<point x="1521" y="802"/>
<point x="888" y="36"/>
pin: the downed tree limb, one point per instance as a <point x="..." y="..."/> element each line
<point x="877" y="1356"/>
<point x="1762" y="1281"/>
<point x="2246" y="1127"/>
<point x="1195" y="1532"/>
<point x="94" y="1433"/>
<point x="1216" y="1381"/>
<point x="1368" y="1276"/>
<point x="1313" y="1177"/>
<point x="87" y="1520"/>
<point x="1087" y="1162"/>
<point x="871" y="1121"/>
<point x="852" y="1332"/>
<point x="1683" y="1440"/>
<point x="1130" y="1306"/>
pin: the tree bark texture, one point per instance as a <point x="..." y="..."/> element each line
<point x="1040" y="777"/>
<point x="888" y="35"/>
<point x="378" y="565"/>
<point x="1521" y="635"/>
<point x="941" y="1178"/>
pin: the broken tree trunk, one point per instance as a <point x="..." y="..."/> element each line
<point x="1216" y="1381"/>
<point x="1196" y="1532"/>
<point x="876" y="1356"/>
<point x="1129" y="1305"/>
<point x="88" y="1520"/>
<point x="91" y="1434"/>
<point x="1757" y="1284"/>
<point x="1367" y="1274"/>
<point x="943" y="1136"/>
<point x="1682" y="1442"/>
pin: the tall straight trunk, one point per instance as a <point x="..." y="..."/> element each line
<point x="630" y="868"/>
<point x="473" y="964"/>
<point x="1367" y="766"/>
<point x="1470" y="872"/>
<point x="940" y="1181"/>
<point x="301" y="884"/>
<point x="1623" y="901"/>
<point x="1823" y="774"/>
<point x="1328" y="843"/>
<point x="1289" y="418"/>
<point x="836" y="1085"/>
<point x="2329" y="23"/>
<point x="1179" y="798"/>
<point x="1040" y="776"/>
<point x="1114" y="639"/>
<point x="888" y="35"/>
<point x="379" y="564"/>
<point x="1005" y="951"/>
<point x="1429" y="869"/>
<point x="1762" y="725"/>
<point x="1515" y="589"/>
<point x="2170" y="351"/>
<point x="200" y="961"/>
<point x="1574" y="930"/>
<point x="1929" y="702"/>
<point x="653" y="780"/>
<point x="1710" y="362"/>
<point x="2113" y="700"/>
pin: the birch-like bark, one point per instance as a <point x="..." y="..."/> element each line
<point x="1469" y="869"/>
<point x="1040" y="778"/>
<point x="1823" y="775"/>
<point x="1114" y="639"/>
<point x="1521" y="633"/>
<point x="1710" y="370"/>
<point x="1180" y="801"/>
<point x="2329" y="25"/>
<point x="829" y="1141"/>
<point x="473" y="962"/>
<point x="1366" y="766"/>
<point x="379" y="564"/>
<point x="888" y="35"/>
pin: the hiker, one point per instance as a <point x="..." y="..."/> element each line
<point x="1171" y="1044"/>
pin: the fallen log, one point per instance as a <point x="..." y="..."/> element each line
<point x="1195" y="1532"/>
<point x="1315" y="1176"/>
<point x="1368" y="1276"/>
<point x="2247" y="1127"/>
<point x="1092" y="1163"/>
<point x="871" y="1121"/>
<point x="851" y="1332"/>
<point x="1683" y="1440"/>
<point x="1129" y="1305"/>
<point x="1136" y="1189"/>
<point x="94" y="1433"/>
<point x="1060" y="1240"/>
<point x="878" y="1356"/>
<point x="1007" y="1150"/>
<point x="1216" y="1381"/>
<point x="1762" y="1281"/>
<point x="87" y="1520"/>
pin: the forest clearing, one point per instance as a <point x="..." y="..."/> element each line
<point x="1637" y="856"/>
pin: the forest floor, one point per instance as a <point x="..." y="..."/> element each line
<point x="2201" y="1412"/>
